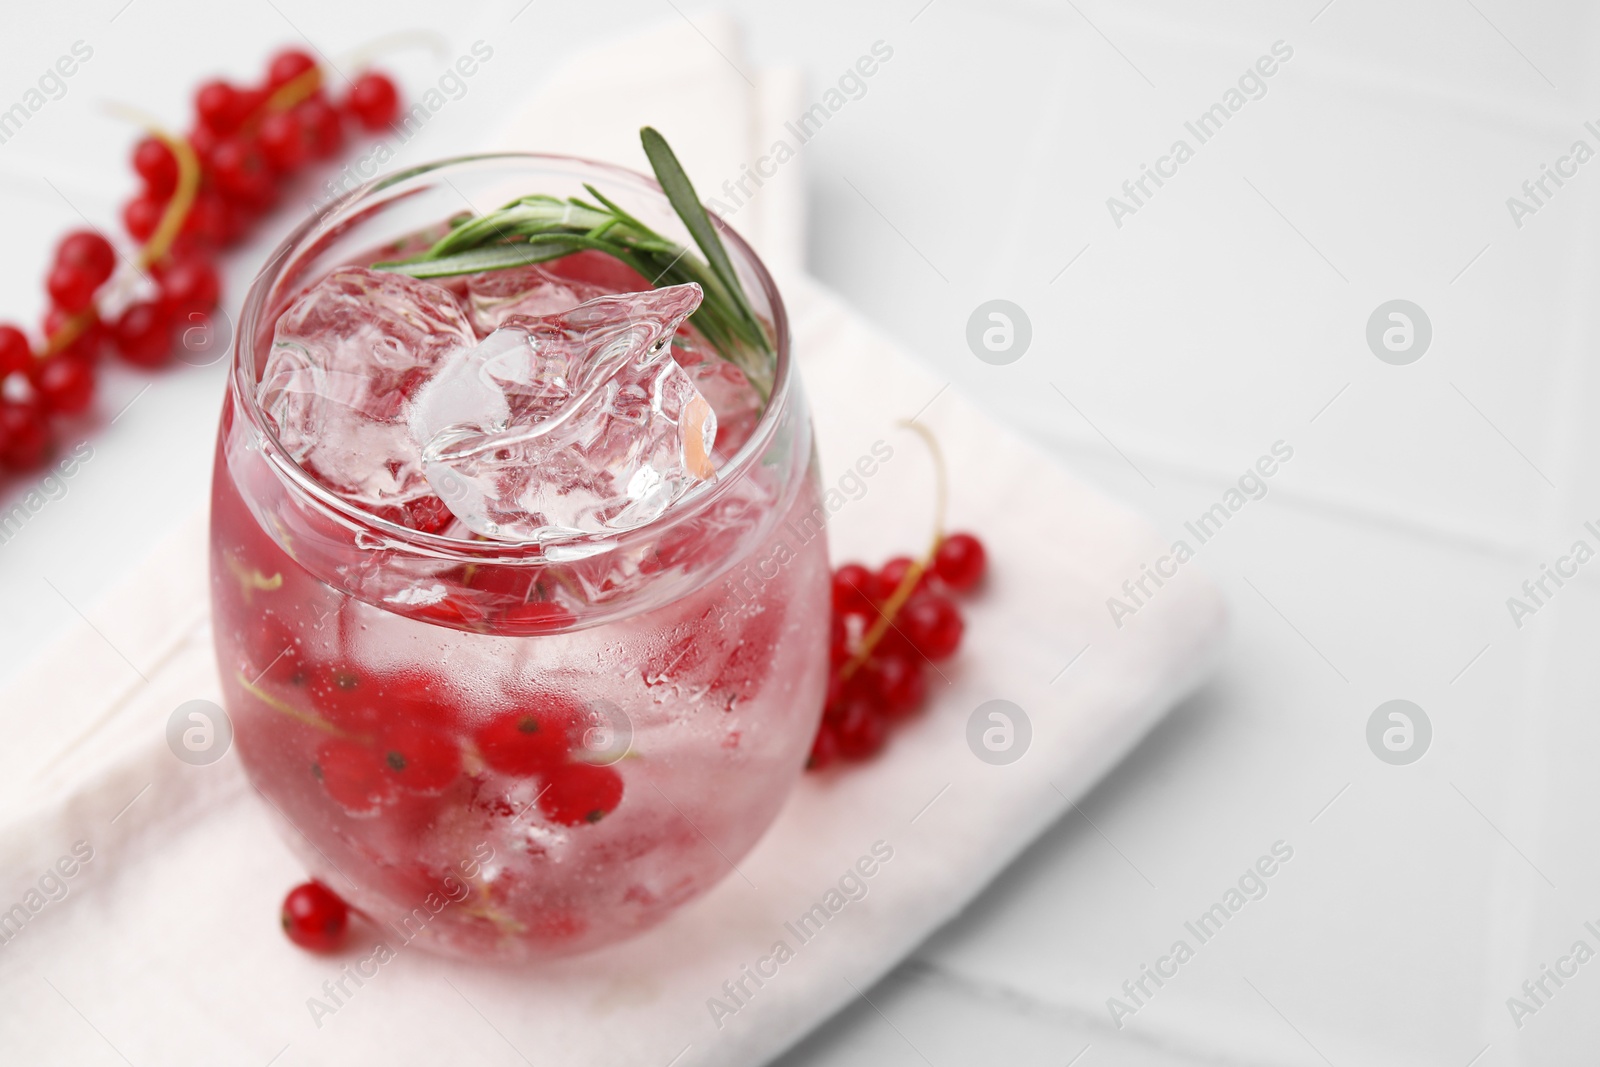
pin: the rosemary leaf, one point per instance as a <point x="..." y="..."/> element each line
<point x="680" y="193"/>
<point x="538" y="248"/>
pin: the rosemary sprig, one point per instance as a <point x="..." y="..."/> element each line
<point x="539" y="228"/>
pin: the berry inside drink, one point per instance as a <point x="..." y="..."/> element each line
<point x="520" y="587"/>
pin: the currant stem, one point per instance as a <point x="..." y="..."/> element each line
<point x="914" y="573"/>
<point x="289" y="709"/>
<point x="251" y="579"/>
<point x="182" y="197"/>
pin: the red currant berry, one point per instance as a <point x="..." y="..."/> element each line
<point x="932" y="624"/>
<point x="896" y="683"/>
<point x="429" y="514"/>
<point x="25" y="437"/>
<point x="242" y="173"/>
<point x="314" y="917"/>
<point x="71" y="288"/>
<point x="250" y="104"/>
<point x="203" y="141"/>
<point x="283" y="143"/>
<point x="531" y="739"/>
<point x="345" y="696"/>
<point x="288" y="65"/>
<point x="155" y="163"/>
<point x="960" y="561"/>
<point x="143" y="334"/>
<point x="188" y="284"/>
<point x="426" y="514"/>
<point x="141" y="216"/>
<point x="64" y="383"/>
<point x="373" y="101"/>
<point x="577" y="793"/>
<point x="324" y="133"/>
<point x="15" y="352"/>
<point x="272" y="651"/>
<point x="216" y="103"/>
<point x="824" y="750"/>
<point x="415" y="697"/>
<point x="840" y="694"/>
<point x="421" y="760"/>
<point x="853" y="585"/>
<point x="891" y="574"/>
<point x="213" y="219"/>
<point x="860" y="729"/>
<point x="836" y="690"/>
<point x="353" y="775"/>
<point x="89" y="252"/>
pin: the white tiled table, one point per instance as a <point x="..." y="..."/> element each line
<point x="1226" y="314"/>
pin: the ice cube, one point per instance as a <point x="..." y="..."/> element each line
<point x="579" y="422"/>
<point x="494" y="296"/>
<point x="345" y="358"/>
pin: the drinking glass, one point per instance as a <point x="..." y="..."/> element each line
<point x="514" y="751"/>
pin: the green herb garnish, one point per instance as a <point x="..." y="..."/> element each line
<point x="539" y="228"/>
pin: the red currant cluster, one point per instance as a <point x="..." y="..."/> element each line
<point x="248" y="139"/>
<point x="389" y="737"/>
<point x="886" y="623"/>
<point x="200" y="195"/>
<point x="402" y="746"/>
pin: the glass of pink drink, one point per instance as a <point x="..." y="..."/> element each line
<point x="506" y="749"/>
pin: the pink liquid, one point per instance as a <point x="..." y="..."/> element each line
<point x="385" y="728"/>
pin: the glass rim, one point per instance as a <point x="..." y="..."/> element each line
<point x="243" y="385"/>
